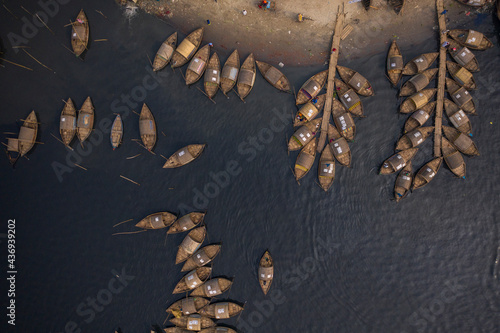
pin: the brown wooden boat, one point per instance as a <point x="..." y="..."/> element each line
<point x="349" y="98"/>
<point x="174" y="329"/>
<point x="457" y="117"/>
<point x="427" y="173"/>
<point x="417" y="101"/>
<point x="420" y="63"/>
<point x="190" y="244"/>
<point x="116" y="132"/>
<point x="188" y="305"/>
<point x="343" y="120"/>
<point x="85" y="122"/>
<point x="221" y="310"/>
<point x="218" y="329"/>
<point x="304" y="134"/>
<point x="420" y="117"/>
<point x="356" y="81"/>
<point x="193" y="322"/>
<point x="461" y="75"/>
<point x="454" y="160"/>
<point x="418" y="82"/>
<point x="460" y="96"/>
<point x="165" y="52"/>
<point x="326" y="168"/>
<point x="397" y="161"/>
<point x="246" y="77"/>
<point x="305" y="160"/>
<point x="184" y="156"/>
<point x="187" y="48"/>
<point x="397" y="5"/>
<point x="309" y="111"/>
<point x="26" y="138"/>
<point x="311" y="87"/>
<point x="471" y="38"/>
<point x="67" y="126"/>
<point x="201" y="257"/>
<point x="463" y="56"/>
<point x="187" y="222"/>
<point x="157" y="221"/>
<point x="339" y="146"/>
<point x="212" y="76"/>
<point x="274" y="76"/>
<point x="147" y="128"/>
<point x="460" y="140"/>
<point x="80" y="34"/>
<point x="414" y="138"/>
<point x="394" y="64"/>
<point x="197" y="65"/>
<point x="403" y="182"/>
<point x="213" y="287"/>
<point x="230" y="71"/>
<point x="192" y="280"/>
<point x="266" y="272"/>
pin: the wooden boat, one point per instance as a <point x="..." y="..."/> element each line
<point x="218" y="329"/>
<point x="420" y="117"/>
<point x="201" y="257"/>
<point x="67" y="126"/>
<point x="266" y="272"/>
<point x="147" y="128"/>
<point x="165" y="52"/>
<point x="116" y="132"/>
<point x="80" y="34"/>
<point x="427" y="173"/>
<point x="26" y="138"/>
<point x="187" y="48"/>
<point x="420" y="63"/>
<point x="221" y="310"/>
<point x="454" y="160"/>
<point x="230" y="72"/>
<point x="197" y="65"/>
<point x="460" y="140"/>
<point x="175" y="329"/>
<point x="463" y="56"/>
<point x="193" y="322"/>
<point x="339" y="146"/>
<point x="157" y="221"/>
<point x="311" y="87"/>
<point x="274" y="76"/>
<point x="457" y="117"/>
<point x="213" y="287"/>
<point x="414" y="138"/>
<point x="188" y="305"/>
<point x="190" y="244"/>
<point x="356" y="81"/>
<point x="212" y="76"/>
<point x="184" y="156"/>
<point x="471" y="38"/>
<point x="304" y="134"/>
<point x="397" y="161"/>
<point x="309" y="111"/>
<point x="403" y="182"/>
<point x="192" y="280"/>
<point x="366" y="4"/>
<point x="417" y="101"/>
<point x="460" y="96"/>
<point x="187" y="222"/>
<point x="394" y="64"/>
<point x="326" y="168"/>
<point x="418" y="82"/>
<point x="473" y="3"/>
<point x="305" y="160"/>
<point x="246" y="77"/>
<point x="85" y="121"/>
<point x="461" y="75"/>
<point x="349" y="98"/>
<point x="397" y="5"/>
<point x="343" y="120"/>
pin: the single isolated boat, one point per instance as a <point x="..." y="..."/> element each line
<point x="246" y="77"/>
<point x="397" y="161"/>
<point x="454" y="160"/>
<point x="116" y="132"/>
<point x="274" y="76"/>
<point x="460" y="96"/>
<point x="67" y="124"/>
<point x="417" y="101"/>
<point x="26" y="138"/>
<point x="356" y="81"/>
<point x="187" y="48"/>
<point x="457" y="117"/>
<point x="85" y="122"/>
<point x="403" y="182"/>
<point x="461" y="141"/>
<point x="418" y="82"/>
<point x="420" y="117"/>
<point x="157" y="221"/>
<point x="184" y="156"/>
<point x="343" y="120"/>
<point x="186" y="223"/>
<point x="212" y="76"/>
<point x="266" y="272"/>
<point x="463" y="56"/>
<point x="349" y="98"/>
<point x="461" y="75"/>
<point x="311" y="87"/>
<point x="427" y="173"/>
<point x="147" y="128"/>
<point x="230" y="72"/>
<point x="80" y="34"/>
<point x="339" y="145"/>
<point x="192" y="280"/>
<point x="326" y="168"/>
<point x="213" y="287"/>
<point x="221" y="310"/>
<point x="165" y="52"/>
<point x="305" y="160"/>
<point x="472" y="39"/>
<point x="414" y="138"/>
<point x="190" y="244"/>
<point x="304" y="134"/>
<point x="309" y="111"/>
<point x="188" y="305"/>
<point x="201" y="257"/>
<point x="198" y="64"/>
<point x="394" y="63"/>
<point x="420" y="63"/>
<point x="193" y="322"/>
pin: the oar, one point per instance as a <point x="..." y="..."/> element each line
<point x="122" y="222"/>
<point x="38" y="18"/>
<point x="55" y="137"/>
<point x="206" y="95"/>
<point x="101" y="13"/>
<point x="128" y="233"/>
<point x="239" y="96"/>
<point x="13" y="63"/>
<point x="50" y="69"/>
<point x="149" y="60"/>
<point x="11" y="13"/>
<point x="78" y="165"/>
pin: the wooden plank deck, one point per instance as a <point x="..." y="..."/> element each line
<point x="438" y="122"/>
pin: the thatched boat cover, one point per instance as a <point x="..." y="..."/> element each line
<point x="311" y="88"/>
<point x="404" y="182"/>
<point x="68" y="122"/>
<point x="185" y="222"/>
<point x="427" y="174"/>
<point x="420" y="116"/>
<point x="421" y="63"/>
<point x="309" y="110"/>
<point x="222" y="310"/>
<point x="230" y="73"/>
<point x="345" y="122"/>
<point x="212" y="288"/>
<point x="419" y="81"/>
<point x="463" y="56"/>
<point x="303" y="135"/>
<point x="357" y="81"/>
<point x="186" y="48"/>
<point x="194" y="323"/>
<point x="396" y="161"/>
<point x="13" y="144"/>
<point x="156" y="221"/>
<point x="246" y="77"/>
<point x="26" y="135"/>
<point x="419" y="100"/>
<point x="188" y="306"/>
<point x="212" y="76"/>
<point x="201" y="258"/>
<point x="197" y="65"/>
<point x="305" y="161"/>
<point x="267" y="273"/>
<point x="463" y="142"/>
<point x="395" y="63"/>
<point x="340" y="146"/>
<point x="459" y="118"/>
<point x="461" y="96"/>
<point x="165" y="51"/>
<point x="184" y="156"/>
<point x="326" y="168"/>
<point x="190" y="245"/>
<point x="350" y="99"/>
<point x="474" y="38"/>
<point x="146" y="127"/>
<point x="79" y="33"/>
<point x="454" y="160"/>
<point x="192" y="280"/>
<point x="463" y="76"/>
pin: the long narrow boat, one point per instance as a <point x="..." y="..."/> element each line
<point x="218" y="329"/>
<point x="397" y="161"/>
<point x="420" y="63"/>
<point x="403" y="182"/>
<point x="197" y="65"/>
<point x="339" y="145"/>
<point x="457" y="117"/>
<point x="454" y="160"/>
<point x="188" y="305"/>
<point x="157" y="221"/>
<point x="165" y="52"/>
<point x="80" y="34"/>
<point x="305" y="160"/>
<point x="187" y="222"/>
<point x="201" y="257"/>
<point x="463" y="56"/>
<point x="394" y="63"/>
<point x="246" y="77"/>
<point x="349" y="98"/>
<point x="213" y="287"/>
<point x="472" y="39"/>
<point x="193" y="280"/>
<point x="116" y="132"/>
<point x="460" y="140"/>
<point x="417" y="101"/>
<point x="304" y="134"/>
<point x="221" y="310"/>
<point x="343" y="120"/>
<point x="184" y="156"/>
<point x="147" y="127"/>
<point x="85" y="121"/>
<point x="274" y="76"/>
<point x="67" y="124"/>
<point x="309" y="111"/>
<point x="326" y="168"/>
<point x="461" y="75"/>
<point x="460" y="96"/>
<point x="418" y="82"/>
<point x="190" y="244"/>
<point x="427" y="173"/>
<point x="397" y="5"/>
<point x="187" y="48"/>
<point x="26" y="138"/>
<point x="356" y="81"/>
<point x="420" y="117"/>
<point x="266" y="272"/>
<point x="212" y="76"/>
<point x="414" y="138"/>
<point x="193" y="322"/>
<point x="311" y="87"/>
<point x="230" y="71"/>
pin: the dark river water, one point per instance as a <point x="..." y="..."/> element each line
<point x="350" y="260"/>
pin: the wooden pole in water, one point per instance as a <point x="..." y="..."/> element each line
<point x="130" y="180"/>
<point x="13" y="63"/>
<point x="438" y="120"/>
<point x="50" y="69"/>
<point x="122" y="222"/>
